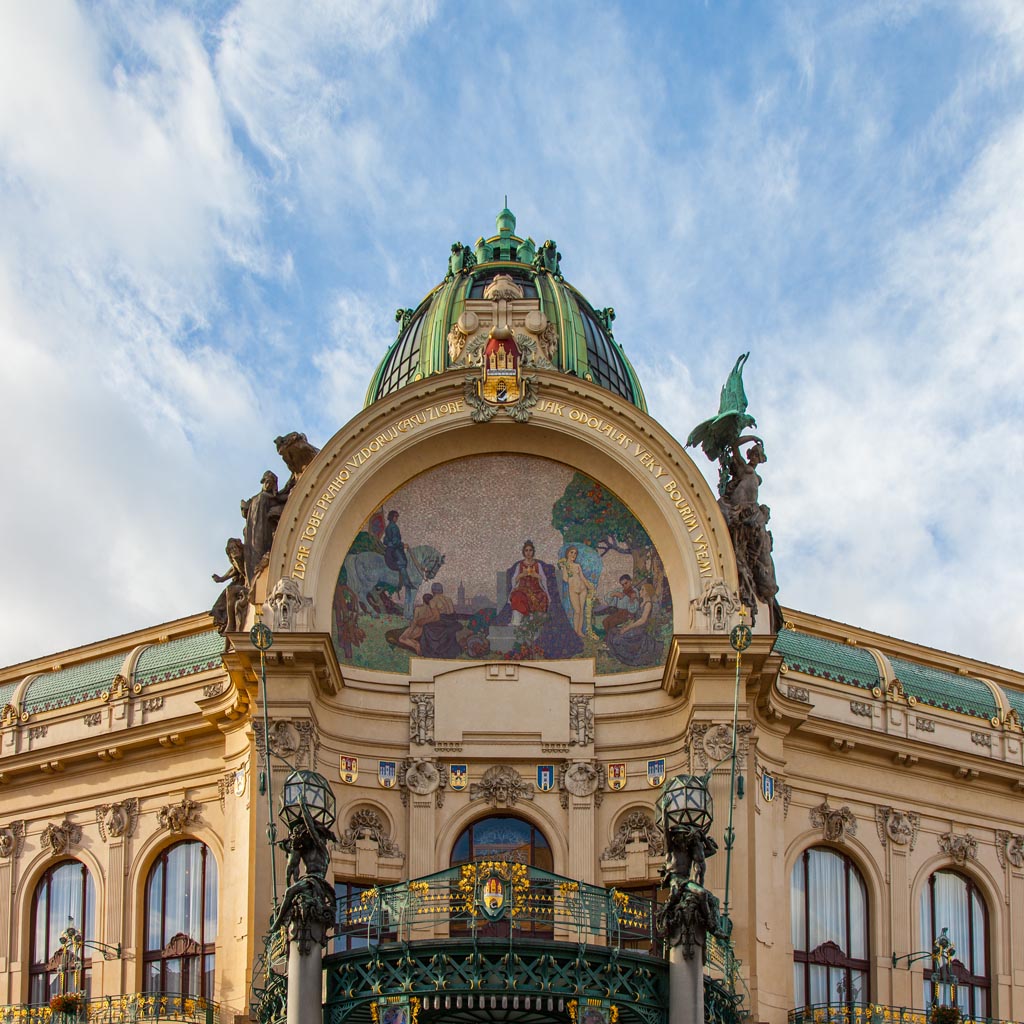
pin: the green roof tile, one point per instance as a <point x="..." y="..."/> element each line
<point x="945" y="689"/>
<point x="73" y="684"/>
<point x="815" y="656"/>
<point x="6" y="693"/>
<point x="181" y="657"/>
<point x="1016" y="701"/>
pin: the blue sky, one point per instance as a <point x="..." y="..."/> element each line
<point x="211" y="212"/>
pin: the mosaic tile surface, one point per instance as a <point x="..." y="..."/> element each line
<point x="512" y="557"/>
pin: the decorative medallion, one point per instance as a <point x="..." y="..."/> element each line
<point x="1009" y="847"/>
<point x="117" y="820"/>
<point x="617" y="775"/>
<point x="459" y="776"/>
<point x="656" y="772"/>
<point x="387" y="773"/>
<point x="349" y="769"/>
<point x="718" y="742"/>
<point x="767" y="786"/>
<point x="897" y="827"/>
<point x="545" y="777"/>
<point x="12" y="838"/>
<point x="421" y="777"/>
<point x="835" y="825"/>
<point x="580" y="779"/>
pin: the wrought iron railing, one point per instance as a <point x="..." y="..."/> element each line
<point x="489" y="897"/>
<point x="135" y="1008"/>
<point x="872" y="1013"/>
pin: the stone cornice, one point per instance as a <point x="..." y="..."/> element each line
<point x="706" y="654"/>
<point x="309" y="654"/>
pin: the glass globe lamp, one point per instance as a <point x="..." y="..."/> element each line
<point x="685" y="802"/>
<point x="310" y="790"/>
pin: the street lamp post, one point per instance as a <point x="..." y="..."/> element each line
<point x="685" y="811"/>
<point x="73" y="945"/>
<point x="307" y="909"/>
<point x="943" y="977"/>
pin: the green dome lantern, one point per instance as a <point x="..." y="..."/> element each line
<point x="511" y="284"/>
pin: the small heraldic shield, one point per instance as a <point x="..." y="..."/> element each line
<point x="349" y="769"/>
<point x="617" y="775"/>
<point x="387" y="773"/>
<point x="458" y="776"/>
<point x="500" y="370"/>
<point x="545" y="777"/>
<point x="767" y="787"/>
<point x="656" y="772"/>
<point x="493" y="896"/>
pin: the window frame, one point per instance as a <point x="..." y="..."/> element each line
<point x="80" y="980"/>
<point x="967" y="982"/>
<point x="200" y="949"/>
<point x="830" y="954"/>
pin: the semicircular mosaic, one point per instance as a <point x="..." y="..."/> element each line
<point x="502" y="557"/>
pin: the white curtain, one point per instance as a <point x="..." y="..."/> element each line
<point x="826" y="893"/>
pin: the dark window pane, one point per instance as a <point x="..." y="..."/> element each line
<point x="606" y="364"/>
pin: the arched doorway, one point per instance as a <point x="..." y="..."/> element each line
<point x="509" y="838"/>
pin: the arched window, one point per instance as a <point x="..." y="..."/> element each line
<point x="181" y="921"/>
<point x="64" y="898"/>
<point x="504" y="837"/>
<point x="830" y="930"/>
<point x="951" y="900"/>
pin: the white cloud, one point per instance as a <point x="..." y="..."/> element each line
<point x="123" y="201"/>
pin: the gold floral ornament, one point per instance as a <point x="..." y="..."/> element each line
<point x="470" y="875"/>
<point x="419" y="888"/>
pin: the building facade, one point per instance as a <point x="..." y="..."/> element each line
<point x="501" y="600"/>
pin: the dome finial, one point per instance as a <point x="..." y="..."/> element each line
<point x="506" y="221"/>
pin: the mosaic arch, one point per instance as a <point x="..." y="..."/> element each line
<point x="502" y="557"/>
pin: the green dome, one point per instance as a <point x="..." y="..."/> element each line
<point x="447" y="329"/>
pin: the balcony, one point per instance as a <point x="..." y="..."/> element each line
<point x="136" y="1008"/>
<point x="871" y="1013"/>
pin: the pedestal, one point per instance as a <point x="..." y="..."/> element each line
<point x="305" y="978"/>
<point x="685" y="988"/>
